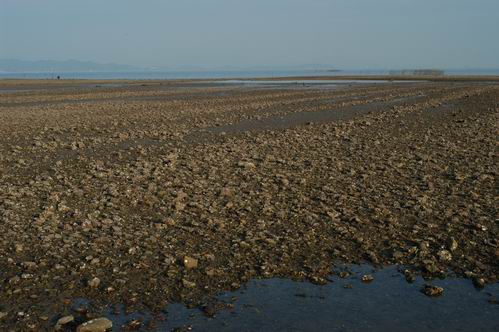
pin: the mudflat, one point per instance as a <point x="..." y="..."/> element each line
<point x="151" y="193"/>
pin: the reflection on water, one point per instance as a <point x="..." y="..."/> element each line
<point x="309" y="82"/>
<point x="388" y="303"/>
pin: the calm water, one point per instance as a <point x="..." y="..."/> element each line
<point x="218" y="74"/>
<point x="388" y="303"/>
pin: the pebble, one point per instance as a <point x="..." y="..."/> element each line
<point x="452" y="244"/>
<point x="432" y="291"/>
<point x="134" y="324"/>
<point x="188" y="284"/>
<point x="63" y="321"/>
<point x="444" y="256"/>
<point x="94" y="283"/>
<point x="367" y="278"/>
<point x="479" y="282"/>
<point x="190" y="263"/>
<point x="95" y="325"/>
<point x="247" y="165"/>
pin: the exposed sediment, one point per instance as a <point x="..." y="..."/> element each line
<point x="148" y="195"/>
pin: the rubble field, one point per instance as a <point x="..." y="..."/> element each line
<point x="146" y="194"/>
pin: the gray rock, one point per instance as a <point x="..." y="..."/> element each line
<point x="95" y="325"/>
<point x="432" y="291"/>
<point x="63" y="321"/>
<point x="94" y="283"/>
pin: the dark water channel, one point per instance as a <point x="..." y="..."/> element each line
<point x="388" y="303"/>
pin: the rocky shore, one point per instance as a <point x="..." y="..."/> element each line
<point x="150" y="194"/>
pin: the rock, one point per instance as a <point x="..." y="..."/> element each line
<point x="19" y="248"/>
<point x="430" y="266"/>
<point x="452" y="244"/>
<point x="398" y="255"/>
<point x="133" y="325"/>
<point x="424" y="245"/>
<point x="188" y="284"/>
<point x="226" y="192"/>
<point x="95" y="325"/>
<point x="334" y="215"/>
<point x="94" y="283"/>
<point x="367" y="278"/>
<point x="246" y="165"/>
<point x="410" y="276"/>
<point x="190" y="263"/>
<point x="29" y="265"/>
<point x="444" y="256"/>
<point x="432" y="291"/>
<point x="63" y="321"/>
<point x="372" y="257"/>
<point x="479" y="282"/>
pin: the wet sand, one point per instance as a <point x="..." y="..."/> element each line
<point x="153" y="193"/>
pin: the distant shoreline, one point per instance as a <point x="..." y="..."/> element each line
<point x="419" y="78"/>
<point x="260" y="74"/>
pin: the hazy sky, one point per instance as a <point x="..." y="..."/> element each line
<point x="344" y="33"/>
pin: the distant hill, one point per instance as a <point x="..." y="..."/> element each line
<point x="15" y="66"/>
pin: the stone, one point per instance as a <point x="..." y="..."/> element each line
<point x="479" y="282"/>
<point x="246" y="165"/>
<point x="432" y="291"/>
<point x="29" y="265"/>
<point x="190" y="263"/>
<point x="444" y="256"/>
<point x="95" y="325"/>
<point x="188" y="284"/>
<point x="94" y="283"/>
<point x="430" y="266"/>
<point x="452" y="244"/>
<point x="133" y="325"/>
<point x="367" y="278"/>
<point x="410" y="276"/>
<point x="424" y="245"/>
<point x="63" y="321"/>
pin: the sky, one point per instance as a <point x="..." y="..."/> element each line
<point x="354" y="34"/>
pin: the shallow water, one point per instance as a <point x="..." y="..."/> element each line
<point x="40" y="87"/>
<point x="389" y="303"/>
<point x="189" y="74"/>
<point x="314" y="83"/>
<point x="281" y="122"/>
<point x="300" y="118"/>
<point x="186" y="74"/>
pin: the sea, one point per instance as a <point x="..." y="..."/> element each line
<point x="218" y="74"/>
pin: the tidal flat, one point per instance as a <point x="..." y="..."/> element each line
<point x="147" y="195"/>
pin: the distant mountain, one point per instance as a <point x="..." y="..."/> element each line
<point x="304" y="67"/>
<point x="15" y="66"/>
<point x="52" y="66"/>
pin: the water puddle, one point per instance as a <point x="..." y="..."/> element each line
<point x="387" y="303"/>
<point x="307" y="83"/>
<point x="291" y="120"/>
<point x="14" y="90"/>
